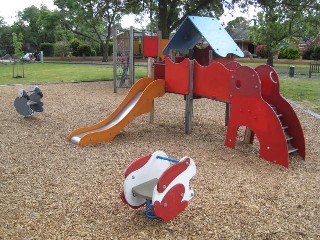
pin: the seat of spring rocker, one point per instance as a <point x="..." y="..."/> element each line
<point x="30" y="103"/>
<point x="145" y="190"/>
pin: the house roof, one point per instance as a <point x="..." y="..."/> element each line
<point x="194" y="28"/>
<point x="240" y="33"/>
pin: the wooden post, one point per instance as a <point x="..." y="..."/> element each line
<point x="227" y="114"/>
<point x="114" y="55"/>
<point x="248" y="136"/>
<point x="210" y="56"/>
<point x="189" y="102"/>
<point x="151" y="75"/>
<point x="150" y="69"/>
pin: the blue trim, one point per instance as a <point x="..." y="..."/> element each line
<point x="168" y="159"/>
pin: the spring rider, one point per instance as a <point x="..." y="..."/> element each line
<point x="161" y="183"/>
<point x="28" y="102"/>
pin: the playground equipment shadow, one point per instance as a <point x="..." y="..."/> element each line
<point x="53" y="189"/>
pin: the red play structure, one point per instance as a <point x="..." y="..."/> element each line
<point x="255" y="102"/>
<point x="251" y="94"/>
<point x="201" y="65"/>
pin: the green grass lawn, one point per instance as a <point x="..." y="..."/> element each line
<point x="301" y="69"/>
<point x="48" y="72"/>
<point x="303" y="90"/>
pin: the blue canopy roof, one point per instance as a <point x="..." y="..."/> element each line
<point x="194" y="28"/>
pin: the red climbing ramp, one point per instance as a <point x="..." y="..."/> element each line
<point x="270" y="91"/>
<point x="250" y="109"/>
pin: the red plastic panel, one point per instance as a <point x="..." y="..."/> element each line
<point x="177" y="76"/>
<point x="270" y="88"/>
<point x="232" y="65"/>
<point x="171" y="205"/>
<point x="150" y="46"/>
<point x="137" y="164"/>
<point x="223" y="61"/>
<point x="211" y="81"/>
<point x="201" y="55"/>
<point x="249" y="109"/>
<point x="179" y="59"/>
<point x="171" y="173"/>
<point x="159" y="70"/>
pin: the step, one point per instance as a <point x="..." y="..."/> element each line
<point x="288" y="137"/>
<point x="292" y="149"/>
<point x="275" y="110"/>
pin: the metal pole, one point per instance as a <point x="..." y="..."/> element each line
<point x="151" y="75"/>
<point x="168" y="159"/>
<point x="114" y="55"/>
<point x="142" y="44"/>
<point x="131" y="63"/>
<point x="159" y="33"/>
<point x="41" y="56"/>
<point x="189" y="102"/>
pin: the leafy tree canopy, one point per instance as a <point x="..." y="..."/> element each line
<point x="38" y="25"/>
<point x="283" y="21"/>
<point x="92" y="19"/>
<point x="169" y="14"/>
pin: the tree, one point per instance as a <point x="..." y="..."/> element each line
<point x="92" y="19"/>
<point x="6" y="46"/>
<point x="2" y="22"/>
<point x="17" y="43"/>
<point x="169" y="14"/>
<point x="282" y="22"/>
<point x="239" y="22"/>
<point x="38" y="25"/>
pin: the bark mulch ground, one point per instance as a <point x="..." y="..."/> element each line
<point x="53" y="189"/>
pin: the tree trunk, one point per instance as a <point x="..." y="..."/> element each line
<point x="105" y="51"/>
<point x="163" y="18"/>
<point x="270" y="59"/>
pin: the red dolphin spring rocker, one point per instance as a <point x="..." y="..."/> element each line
<point x="162" y="187"/>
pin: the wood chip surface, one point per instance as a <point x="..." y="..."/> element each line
<point x="53" y="189"/>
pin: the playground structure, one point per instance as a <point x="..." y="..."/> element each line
<point x="123" y="64"/>
<point x="28" y="102"/>
<point x="127" y="44"/>
<point x="138" y="101"/>
<point x="205" y="68"/>
<point x="164" y="188"/>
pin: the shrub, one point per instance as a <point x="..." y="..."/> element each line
<point x="110" y="49"/>
<point x="47" y="48"/>
<point x="61" y="49"/>
<point x="289" y="53"/>
<point x="307" y="52"/>
<point x="316" y="53"/>
<point x="84" y="50"/>
<point x="74" y="45"/>
<point x="261" y="51"/>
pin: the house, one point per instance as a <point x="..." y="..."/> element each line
<point x="241" y="36"/>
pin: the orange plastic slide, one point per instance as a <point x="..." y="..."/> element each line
<point x="138" y="101"/>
